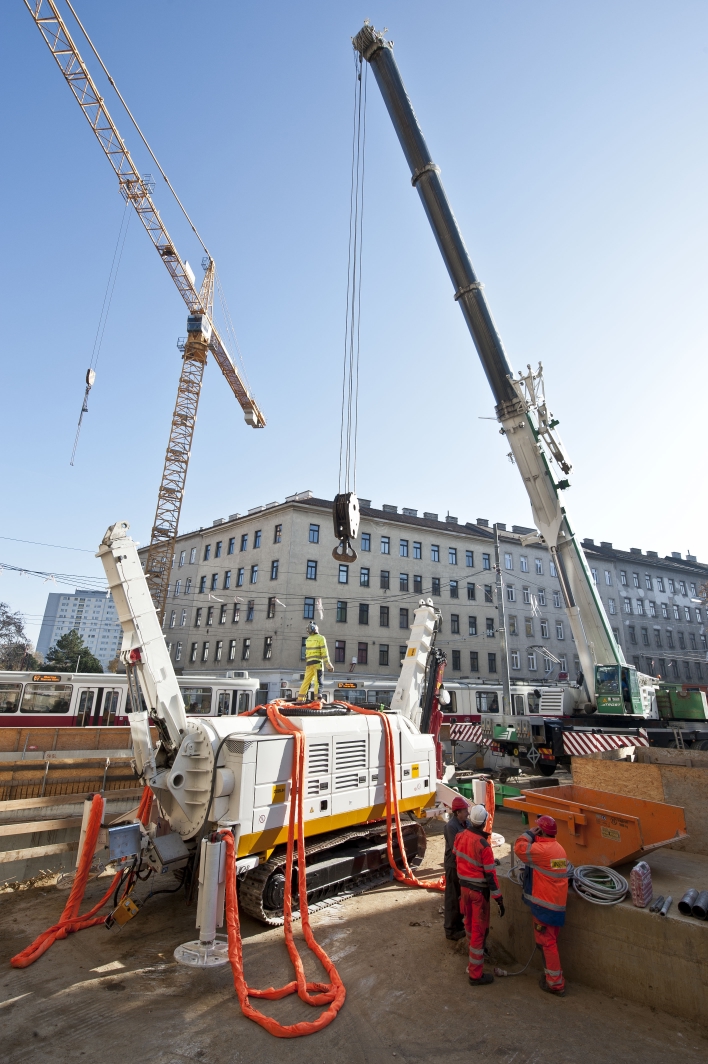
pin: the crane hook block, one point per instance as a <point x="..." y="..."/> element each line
<point x="345" y="514"/>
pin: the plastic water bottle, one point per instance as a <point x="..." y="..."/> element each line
<point x="640" y="884"/>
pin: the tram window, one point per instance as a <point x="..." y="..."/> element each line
<point x="83" y="713"/>
<point x="46" y="698"/>
<point x="130" y="708"/>
<point x="261" y="696"/>
<point x="487" y="702"/>
<point x="534" y="702"/>
<point x="451" y="707"/>
<point x="110" y="707"/>
<point x="197" y="700"/>
<point x="518" y="705"/>
<point x="224" y="704"/>
<point x="10" y="694"/>
<point x="243" y="701"/>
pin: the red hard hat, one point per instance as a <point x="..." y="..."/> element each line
<point x="459" y="803"/>
<point x="547" y="825"/>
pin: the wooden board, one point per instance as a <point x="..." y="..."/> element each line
<point x="6" y="856"/>
<point x="26" y="827"/>
<point x="71" y="737"/>
<point x="66" y="799"/>
<point x="688" y="787"/>
<point x="619" y="777"/>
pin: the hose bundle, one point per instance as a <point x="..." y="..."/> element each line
<point x="600" y="885"/>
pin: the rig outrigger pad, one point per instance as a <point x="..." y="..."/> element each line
<point x="345" y="514"/>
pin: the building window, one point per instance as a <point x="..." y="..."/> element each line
<point x="492" y="662"/>
<point x="528" y="623"/>
<point x="657" y="637"/>
<point x="384" y="579"/>
<point x="198" y="618"/>
<point x="692" y="589"/>
<point x="511" y="593"/>
<point x="277" y="533"/>
<point x="182" y="557"/>
<point x="542" y="596"/>
<point x="193" y="652"/>
<point x="557" y="599"/>
<point x="207" y="552"/>
<point x="515" y="659"/>
<point x="632" y="631"/>
<point x="456" y="666"/>
<point x="474" y="661"/>
<point x="544" y="629"/>
<point x="308" y="611"/>
<point x="250" y="608"/>
<point x="268" y="648"/>
<point x="676" y="613"/>
<point x="222" y="614"/>
<point x="240" y="574"/>
<point x="687" y="669"/>
<point x="704" y="645"/>
<point x="526" y="595"/>
<point x="217" y="551"/>
<point x="363" y="613"/>
<point x="218" y="647"/>
<point x="523" y="563"/>
<point x="452" y="555"/>
<point x="635" y="579"/>
<point x="559" y="630"/>
<point x="257" y="538"/>
<point x="173" y="618"/>
<point x="383" y="616"/>
<point x="552" y="569"/>
<point x="538" y="562"/>
<point x="403" y="618"/>
<point x="314" y="536"/>
<point x="652" y="609"/>
<point x="490" y="627"/>
<point x="469" y="559"/>
<point x="340" y="648"/>
<point x="532" y="663"/>
<point x="471" y="592"/>
<point x="303" y="648"/>
<point x="687" y="613"/>
<point x="435" y="553"/>
<point x="178" y="652"/>
<point x="232" y="545"/>
<point x="672" y="588"/>
<point x="271" y="608"/>
<point x="660" y="584"/>
<point x="669" y="638"/>
<point x="454" y="589"/>
<point x="383" y="653"/>
<point x="418" y="585"/>
<point x="665" y="610"/>
<point x="435" y="585"/>
<point x="274" y="566"/>
<point x="232" y="650"/>
<point x="254" y="574"/>
<point x="311" y="573"/>
<point x="366" y="541"/>
<point x="362" y="654"/>
<point x="681" y="640"/>
<point x="188" y="585"/>
<point x="343" y="574"/>
<point x="513" y="625"/>
<point x="417" y="549"/>
<point x="202" y="585"/>
<point x="403" y="582"/>
<point x="192" y="555"/>
<point x="682" y="587"/>
<point x="611" y="606"/>
<point x="640" y="608"/>
<point x="342" y="612"/>
<point x="214" y="582"/>
<point x="227" y="580"/>
<point x="403" y="548"/>
<point x="205" y="651"/>
<point x="385" y="544"/>
<point x="183" y="619"/>
<point x="472" y="626"/>
<point x="628" y="605"/>
<point x="454" y="623"/>
<point x="698" y="616"/>
<point x="244" y="541"/>
<point x="246" y="650"/>
<point x="593" y="573"/>
<point x="508" y="561"/>
<point x="486" y="561"/>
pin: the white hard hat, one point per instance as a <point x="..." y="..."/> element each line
<point x="478" y="815"/>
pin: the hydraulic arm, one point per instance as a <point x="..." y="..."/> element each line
<point x="520" y="403"/>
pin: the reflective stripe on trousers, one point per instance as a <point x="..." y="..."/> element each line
<point x="547" y="938"/>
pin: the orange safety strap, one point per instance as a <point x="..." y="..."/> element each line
<point x="70" y="920"/>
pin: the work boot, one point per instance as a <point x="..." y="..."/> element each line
<point x="549" y="989"/>
<point x="455" y="936"/>
<point x="483" y="980"/>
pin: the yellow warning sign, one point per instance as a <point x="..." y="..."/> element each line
<point x="278" y="793"/>
<point x="610" y="833"/>
<point x="415" y="771"/>
<point x="411" y="652"/>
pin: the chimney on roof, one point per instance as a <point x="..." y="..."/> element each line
<point x="587" y="542"/>
<point x="218" y="521"/>
<point x="675" y="554"/>
<point x="408" y="512"/>
<point x="652" y="554"/>
<point x="483" y="522"/>
<point x="387" y="509"/>
<point x="233" y="517"/>
<point x="636" y="550"/>
<point x="429" y="516"/>
<point x="451" y="520"/>
<point x="501" y="525"/>
<point x="604" y="543"/>
<point x="364" y="502"/>
<point x="691" y="557"/>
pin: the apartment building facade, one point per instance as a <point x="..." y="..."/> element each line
<point x="91" y="613"/>
<point x="244" y="589"/>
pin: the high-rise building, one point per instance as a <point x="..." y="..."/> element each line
<point x="91" y="613"/>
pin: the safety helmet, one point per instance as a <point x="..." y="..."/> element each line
<point x="459" y="803"/>
<point x="312" y="628"/>
<point x="547" y="825"/>
<point x="478" y="815"/>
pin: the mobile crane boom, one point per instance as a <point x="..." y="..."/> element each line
<point x="520" y="403"/>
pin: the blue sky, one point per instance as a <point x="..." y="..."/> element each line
<point x="573" y="148"/>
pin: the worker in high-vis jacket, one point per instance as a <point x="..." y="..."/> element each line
<point x="316" y="655"/>
<point x="478" y="881"/>
<point x="454" y="927"/>
<point x="545" y="890"/>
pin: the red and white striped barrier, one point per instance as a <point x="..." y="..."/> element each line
<point x="466" y="733"/>
<point x="580" y="743"/>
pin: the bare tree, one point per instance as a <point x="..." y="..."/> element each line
<point x="15" y="648"/>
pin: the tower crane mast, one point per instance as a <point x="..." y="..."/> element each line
<point x="202" y="334"/>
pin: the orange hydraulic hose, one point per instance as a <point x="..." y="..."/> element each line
<point x="70" y="920"/>
<point x="490" y="802"/>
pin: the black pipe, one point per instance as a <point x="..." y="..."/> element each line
<point x="700" y="906"/>
<point x="425" y="176"/>
<point x="685" y="906"/>
<point x="656" y="905"/>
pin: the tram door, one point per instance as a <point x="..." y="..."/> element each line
<point x="96" y="706"/>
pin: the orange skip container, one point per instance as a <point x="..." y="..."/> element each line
<point x="601" y="828"/>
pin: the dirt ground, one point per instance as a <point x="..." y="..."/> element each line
<point x="407" y="994"/>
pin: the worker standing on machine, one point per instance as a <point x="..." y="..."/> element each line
<point x="545" y="891"/>
<point x="478" y="879"/>
<point x="454" y="926"/>
<point x="316" y="655"/>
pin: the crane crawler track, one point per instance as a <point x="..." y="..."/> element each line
<point x="358" y="862"/>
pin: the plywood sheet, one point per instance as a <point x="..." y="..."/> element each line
<point x="688" y="787"/>
<point x="620" y="777"/>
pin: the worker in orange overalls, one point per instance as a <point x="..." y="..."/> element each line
<point x="545" y="890"/>
<point x="478" y="879"/>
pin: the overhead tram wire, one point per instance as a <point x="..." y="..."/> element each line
<point x="352" y="331"/>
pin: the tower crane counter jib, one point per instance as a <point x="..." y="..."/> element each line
<point x="521" y="407"/>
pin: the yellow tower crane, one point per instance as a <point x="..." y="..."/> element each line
<point x="202" y="334"/>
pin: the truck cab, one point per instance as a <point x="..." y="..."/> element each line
<point x="621" y="690"/>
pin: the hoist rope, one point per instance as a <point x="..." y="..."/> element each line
<point x="352" y="329"/>
<point x="137" y="127"/>
<point x="333" y="993"/>
<point x="230" y="329"/>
